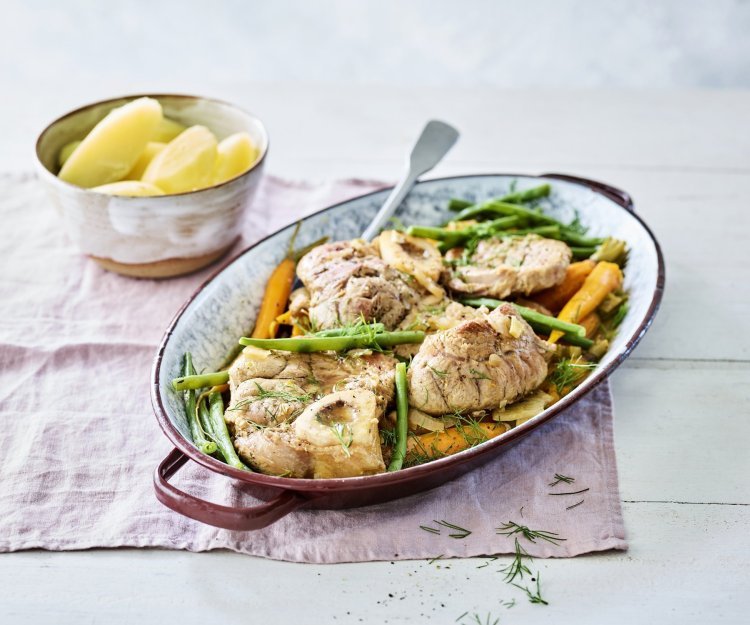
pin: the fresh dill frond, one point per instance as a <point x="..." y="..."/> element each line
<point x="510" y="528"/>
<point x="517" y="568"/>
<point x="459" y="532"/>
<point x="435" y="559"/>
<point x="478" y="375"/>
<point x="437" y="372"/>
<point x="568" y="373"/>
<point x="431" y="530"/>
<point x="339" y="431"/>
<point x="388" y="436"/>
<point x="285" y="395"/>
<point x="475" y="619"/>
<point x="490" y="560"/>
<point x="575" y="505"/>
<point x="576" y="225"/>
<point x="534" y="597"/>
<point x="562" y="478"/>
<point x="575" y="492"/>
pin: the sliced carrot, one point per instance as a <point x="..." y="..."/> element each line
<point x="555" y="297"/>
<point x="275" y="298"/>
<point x="605" y="278"/>
<point x="591" y="323"/>
<point x="452" y="439"/>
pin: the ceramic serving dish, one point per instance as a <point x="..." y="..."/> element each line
<point x="223" y="309"/>
<point x="153" y="237"/>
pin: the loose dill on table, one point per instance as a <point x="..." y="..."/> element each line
<point x="458" y="531"/>
<point x="562" y="478"/>
<point x="575" y="492"/>
<point x="517" y="568"/>
<point x="534" y="597"/>
<point x="575" y="505"/>
<point x="510" y="528"/>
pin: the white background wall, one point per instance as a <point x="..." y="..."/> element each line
<point x="450" y="43"/>
<point x="58" y="54"/>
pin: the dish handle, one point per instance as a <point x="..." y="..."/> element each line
<point x="226" y="517"/>
<point x="613" y="193"/>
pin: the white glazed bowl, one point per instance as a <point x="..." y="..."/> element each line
<point x="153" y="237"/>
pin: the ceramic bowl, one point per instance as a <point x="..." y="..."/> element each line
<point x="222" y="310"/>
<point x="153" y="237"/>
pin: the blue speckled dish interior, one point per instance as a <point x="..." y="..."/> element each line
<point x="226" y="308"/>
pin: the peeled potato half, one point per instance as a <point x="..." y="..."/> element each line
<point x="236" y="154"/>
<point x="186" y="164"/>
<point x="113" y="146"/>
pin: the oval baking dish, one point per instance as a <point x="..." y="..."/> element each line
<point x="223" y="309"/>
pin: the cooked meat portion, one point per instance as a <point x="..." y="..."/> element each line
<point x="442" y="316"/>
<point x="420" y="258"/>
<point x="260" y="402"/>
<point x="315" y="374"/>
<point x="275" y="451"/>
<point x="478" y="365"/>
<point x="299" y="302"/>
<point x="348" y="280"/>
<point x="512" y="265"/>
<point x="336" y="436"/>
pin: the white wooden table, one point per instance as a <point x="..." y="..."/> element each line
<point x="682" y="399"/>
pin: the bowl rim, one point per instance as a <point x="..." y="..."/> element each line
<point x="313" y="487"/>
<point x="256" y="165"/>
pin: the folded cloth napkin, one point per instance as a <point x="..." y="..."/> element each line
<point x="79" y="441"/>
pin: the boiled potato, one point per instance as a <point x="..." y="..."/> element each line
<point x="167" y="130"/>
<point x="236" y="154"/>
<point x="66" y="151"/>
<point x="111" y="149"/>
<point x="132" y="188"/>
<point x="151" y="150"/>
<point x="186" y="164"/>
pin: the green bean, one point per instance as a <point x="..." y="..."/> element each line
<point x="519" y="197"/>
<point x="457" y="204"/>
<point x="570" y="339"/>
<point x="530" y="315"/>
<point x="196" y="431"/>
<point x="529" y="195"/>
<point x="496" y="207"/>
<point x="402" y="418"/>
<point x="353" y="330"/>
<point x="202" y="380"/>
<point x="575" y="238"/>
<point x="220" y="433"/>
<point x="579" y="253"/>
<point x="307" y="344"/>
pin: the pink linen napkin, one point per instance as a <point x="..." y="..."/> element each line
<point x="79" y="441"/>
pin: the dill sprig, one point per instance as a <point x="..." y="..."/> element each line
<point x="510" y="528"/>
<point x="458" y="531"/>
<point x="517" y="568"/>
<point x="575" y="505"/>
<point x="534" y="597"/>
<point x="562" y="478"/>
<point x="575" y="492"/>
<point x="437" y="372"/>
<point x="475" y="619"/>
<point x="266" y="394"/>
<point x="435" y="559"/>
<point x="568" y="373"/>
<point x="478" y="375"/>
<point x="339" y="429"/>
